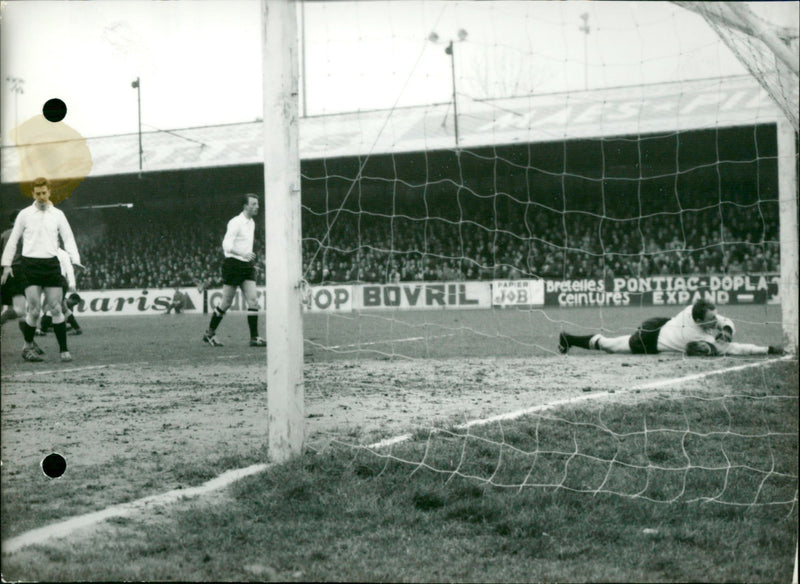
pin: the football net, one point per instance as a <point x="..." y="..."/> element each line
<point x="573" y="167"/>
<point x="765" y="39"/>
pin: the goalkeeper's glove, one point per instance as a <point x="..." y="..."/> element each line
<point x="701" y="349"/>
<point x="775" y="350"/>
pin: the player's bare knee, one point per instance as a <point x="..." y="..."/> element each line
<point x="19" y="305"/>
<point x="32" y="316"/>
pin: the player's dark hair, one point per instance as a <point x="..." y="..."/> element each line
<point x="41" y="182"/>
<point x="700" y="308"/>
<point x="247" y="197"/>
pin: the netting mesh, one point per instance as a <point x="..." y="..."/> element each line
<point x="768" y="50"/>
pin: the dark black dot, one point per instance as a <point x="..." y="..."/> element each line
<point x="54" y="110"/>
<point x="54" y="465"/>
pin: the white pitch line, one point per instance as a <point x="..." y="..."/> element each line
<point x="67" y="527"/>
<point x="386" y="342"/>
<point x="665" y="382"/>
<point x="356" y="345"/>
<point x="72" y="369"/>
<point x="574" y="400"/>
<point x="49" y="371"/>
<point x="91" y="367"/>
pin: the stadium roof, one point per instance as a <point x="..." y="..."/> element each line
<point x="621" y="111"/>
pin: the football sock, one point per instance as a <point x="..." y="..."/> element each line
<point x="581" y="341"/>
<point x="71" y="320"/>
<point x="60" y="328"/>
<point x="252" y="322"/>
<point x="47" y="320"/>
<point x="28" y="332"/>
<point x="216" y="319"/>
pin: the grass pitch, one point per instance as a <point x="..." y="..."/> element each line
<point x="698" y="483"/>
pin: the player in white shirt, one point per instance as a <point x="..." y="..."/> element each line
<point x="696" y="330"/>
<point x="39" y="228"/>
<point x="238" y="271"/>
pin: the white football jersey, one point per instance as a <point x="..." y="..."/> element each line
<point x="682" y="329"/>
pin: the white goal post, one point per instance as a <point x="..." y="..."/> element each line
<point x="787" y="209"/>
<point x="285" y="392"/>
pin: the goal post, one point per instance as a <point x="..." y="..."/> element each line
<point x="285" y="391"/>
<point x="787" y="203"/>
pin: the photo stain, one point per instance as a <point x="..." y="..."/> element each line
<point x="54" y="465"/>
<point x="48" y="147"/>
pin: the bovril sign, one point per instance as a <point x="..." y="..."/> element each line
<point x="400" y="296"/>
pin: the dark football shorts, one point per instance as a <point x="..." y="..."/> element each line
<point x="645" y="340"/>
<point x="14" y="286"/>
<point x="45" y="272"/>
<point x="234" y="272"/>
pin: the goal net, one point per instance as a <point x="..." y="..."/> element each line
<point x="479" y="177"/>
<point x="764" y="37"/>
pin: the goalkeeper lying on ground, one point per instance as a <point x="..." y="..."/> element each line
<point x="697" y="331"/>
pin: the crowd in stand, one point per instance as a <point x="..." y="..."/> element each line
<point x="438" y="250"/>
<point x="182" y="247"/>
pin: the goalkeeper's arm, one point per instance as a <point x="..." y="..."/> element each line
<point x="705" y="349"/>
<point x="748" y="349"/>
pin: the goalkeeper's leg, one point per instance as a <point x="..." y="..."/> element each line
<point x="611" y="344"/>
<point x="595" y="342"/>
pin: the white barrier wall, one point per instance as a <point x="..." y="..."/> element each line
<point x="401" y="296"/>
<point x="329" y="299"/>
<point x="653" y="291"/>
